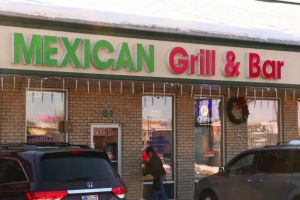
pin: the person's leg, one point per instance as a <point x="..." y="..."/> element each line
<point x="155" y="194"/>
<point x="162" y="189"/>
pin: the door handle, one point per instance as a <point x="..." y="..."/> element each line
<point x="254" y="180"/>
<point x="257" y="180"/>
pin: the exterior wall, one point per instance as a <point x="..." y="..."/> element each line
<point x="185" y="152"/>
<point x="85" y="108"/>
<point x="12" y="115"/>
<point x="235" y="136"/>
<point x="290" y="120"/>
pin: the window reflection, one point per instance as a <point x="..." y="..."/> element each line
<point x="158" y="130"/>
<point x="262" y="124"/>
<point x="208" y="133"/>
<point x="45" y="116"/>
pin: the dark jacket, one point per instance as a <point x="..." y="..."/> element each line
<point x="155" y="168"/>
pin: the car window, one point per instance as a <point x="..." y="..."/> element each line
<point x="11" y="171"/>
<point x="296" y="164"/>
<point x="275" y="161"/>
<point x="242" y="165"/>
<point x="66" y="167"/>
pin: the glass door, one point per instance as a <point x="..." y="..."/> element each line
<point x="158" y="132"/>
<point x="107" y="138"/>
<point x="208" y="136"/>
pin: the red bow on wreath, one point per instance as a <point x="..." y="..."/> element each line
<point x="241" y="103"/>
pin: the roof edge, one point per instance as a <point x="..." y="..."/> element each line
<point x="143" y="32"/>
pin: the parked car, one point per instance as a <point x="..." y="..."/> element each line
<point x="272" y="173"/>
<point x="57" y="172"/>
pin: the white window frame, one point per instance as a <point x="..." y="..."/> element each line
<point x="109" y="125"/>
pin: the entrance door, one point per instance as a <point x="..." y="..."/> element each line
<point x="208" y="136"/>
<point x="107" y="138"/>
<point x="158" y="132"/>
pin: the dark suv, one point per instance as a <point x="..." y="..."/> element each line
<point x="269" y="173"/>
<point x="57" y="172"/>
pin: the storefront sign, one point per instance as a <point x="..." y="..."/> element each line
<point x="42" y="50"/>
<point x="68" y="52"/>
<point x="37" y="139"/>
<point x="203" y="63"/>
<point x="106" y="132"/>
<point x="269" y="69"/>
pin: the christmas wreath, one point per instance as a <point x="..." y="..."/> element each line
<point x="241" y="103"/>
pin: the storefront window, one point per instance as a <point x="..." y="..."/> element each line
<point x="45" y="116"/>
<point x="262" y="124"/>
<point x="158" y="129"/>
<point x="208" y="135"/>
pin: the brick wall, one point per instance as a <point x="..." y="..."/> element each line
<point x="236" y="139"/>
<point x="185" y="153"/>
<point x="86" y="108"/>
<point x="290" y="120"/>
<point x="12" y="115"/>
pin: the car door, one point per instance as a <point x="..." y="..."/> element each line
<point x="13" y="181"/>
<point x="233" y="184"/>
<point x="296" y="175"/>
<point x="273" y="179"/>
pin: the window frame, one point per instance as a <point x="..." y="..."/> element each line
<point x="20" y="165"/>
<point x="65" y="91"/>
<point x="119" y="137"/>
<point x="279" y="114"/>
<point x="173" y="181"/>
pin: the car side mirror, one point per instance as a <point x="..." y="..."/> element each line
<point x="221" y="170"/>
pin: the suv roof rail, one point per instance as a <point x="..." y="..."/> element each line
<point x="15" y="146"/>
<point x="21" y="146"/>
<point x="285" y="143"/>
<point x="57" y="144"/>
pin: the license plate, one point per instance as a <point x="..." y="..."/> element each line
<point x="89" y="197"/>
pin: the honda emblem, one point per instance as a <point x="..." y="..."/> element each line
<point x="90" y="184"/>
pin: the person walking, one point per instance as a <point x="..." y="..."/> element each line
<point x="155" y="168"/>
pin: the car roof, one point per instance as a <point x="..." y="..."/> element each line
<point x="274" y="147"/>
<point x="41" y="148"/>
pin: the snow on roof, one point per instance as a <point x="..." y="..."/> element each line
<point x="255" y="20"/>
